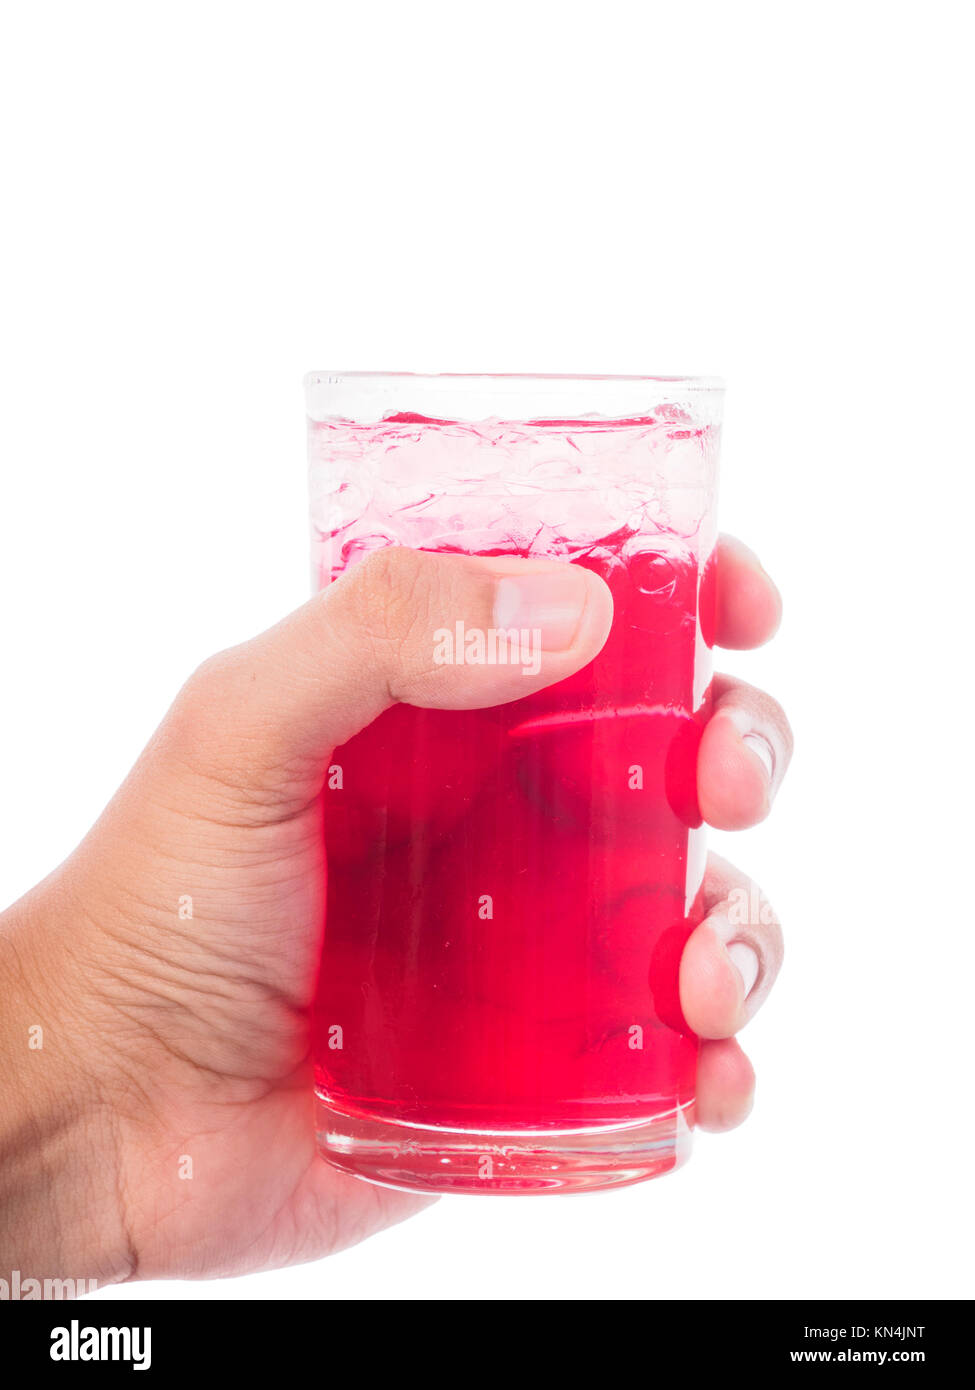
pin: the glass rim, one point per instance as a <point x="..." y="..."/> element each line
<point x="468" y="397"/>
<point x="529" y="379"/>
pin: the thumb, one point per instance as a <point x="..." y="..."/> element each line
<point x="261" y="719"/>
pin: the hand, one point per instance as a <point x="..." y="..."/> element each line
<point x="165" y="1126"/>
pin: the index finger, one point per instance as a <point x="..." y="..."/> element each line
<point x="748" y="606"/>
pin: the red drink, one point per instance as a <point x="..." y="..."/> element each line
<point x="510" y="889"/>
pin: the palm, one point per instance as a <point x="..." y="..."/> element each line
<point x="221" y="1170"/>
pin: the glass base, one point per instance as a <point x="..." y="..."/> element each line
<point x="423" y="1159"/>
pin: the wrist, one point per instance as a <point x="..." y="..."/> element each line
<point x="61" y="1214"/>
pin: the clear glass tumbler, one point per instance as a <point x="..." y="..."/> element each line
<point x="510" y="889"/>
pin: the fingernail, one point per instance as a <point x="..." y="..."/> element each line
<point x="762" y="749"/>
<point x="548" y="602"/>
<point x="745" y="960"/>
<point x="755" y="741"/>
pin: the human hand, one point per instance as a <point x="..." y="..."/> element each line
<point x="173" y="1039"/>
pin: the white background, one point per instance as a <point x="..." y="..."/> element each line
<point x="203" y="201"/>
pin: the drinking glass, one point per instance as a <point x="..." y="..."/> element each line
<point x="510" y="889"/>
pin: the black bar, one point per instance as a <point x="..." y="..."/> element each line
<point x="314" y="1339"/>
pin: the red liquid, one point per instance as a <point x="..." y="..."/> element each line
<point x="508" y="888"/>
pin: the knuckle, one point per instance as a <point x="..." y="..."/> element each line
<point x="788" y="737"/>
<point x="211" y="742"/>
<point x="776" y="720"/>
<point x="393" y="597"/>
<point x="768" y="932"/>
<point x="777" y="717"/>
<point x="204" y="707"/>
<point x="768" y="710"/>
<point x="206" y="690"/>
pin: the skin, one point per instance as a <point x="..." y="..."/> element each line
<point x="167" y="1037"/>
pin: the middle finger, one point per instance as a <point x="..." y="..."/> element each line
<point x="745" y="750"/>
